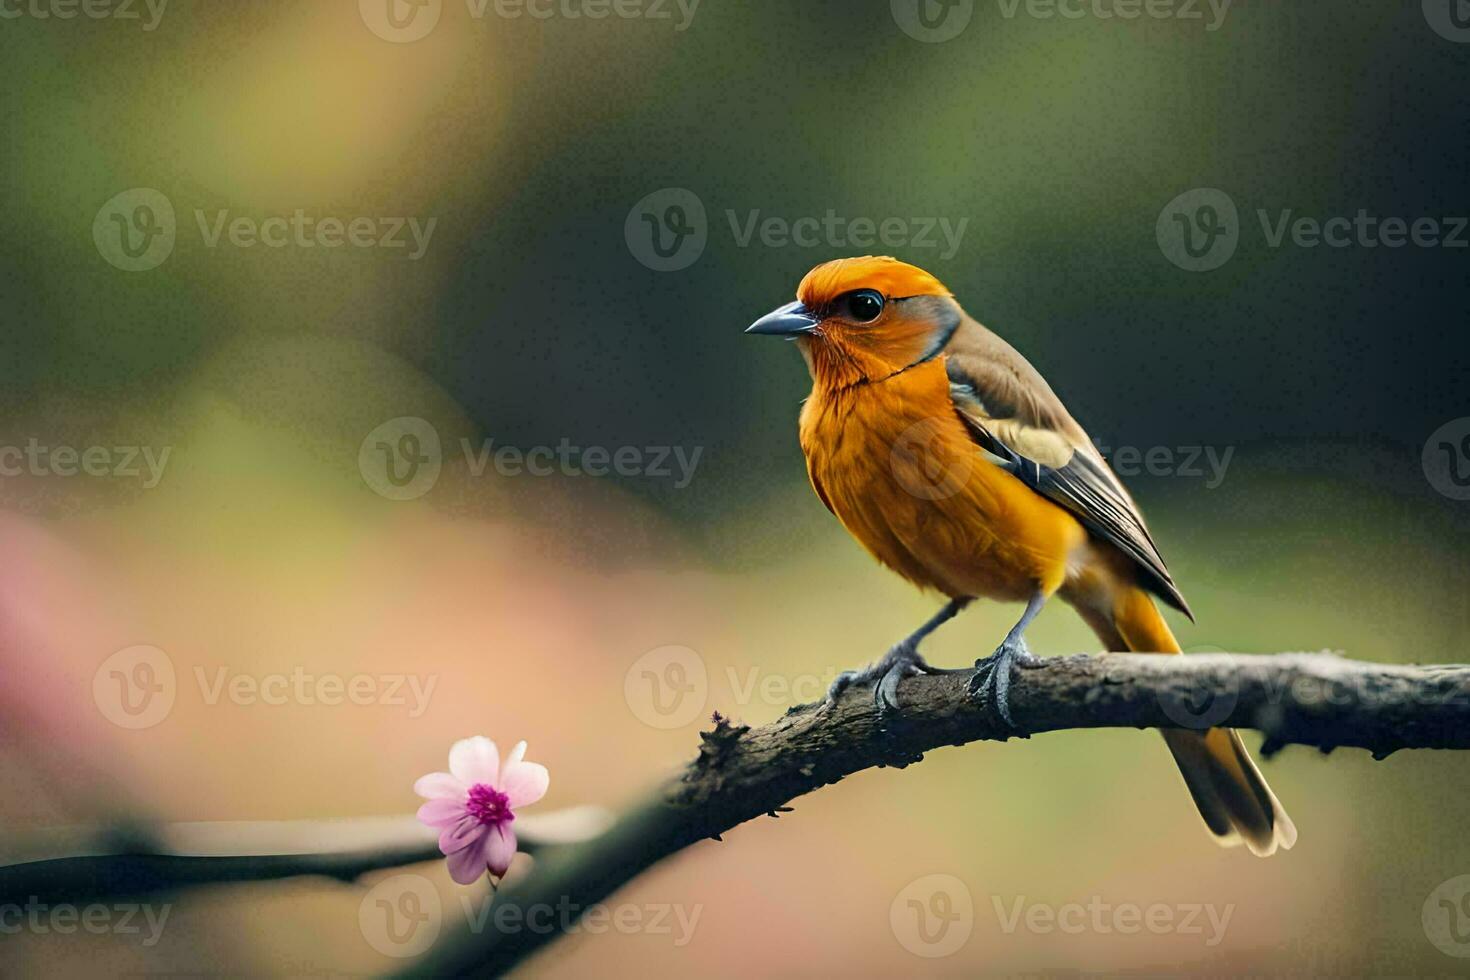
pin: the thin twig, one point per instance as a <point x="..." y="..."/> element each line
<point x="1319" y="700"/>
<point x="91" y="864"/>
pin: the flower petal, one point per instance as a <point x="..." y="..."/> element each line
<point x="475" y="760"/>
<point x="524" y="783"/>
<point x="461" y="835"/>
<point x="467" y="866"/>
<point x="442" y="812"/>
<point x="516" y="755"/>
<point x="498" y="848"/>
<point x="437" y="785"/>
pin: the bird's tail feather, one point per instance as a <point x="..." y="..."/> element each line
<point x="1232" y="795"/>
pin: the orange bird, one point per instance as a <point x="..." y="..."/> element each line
<point x="951" y="460"/>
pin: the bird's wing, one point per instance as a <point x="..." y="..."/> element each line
<point x="1013" y="414"/>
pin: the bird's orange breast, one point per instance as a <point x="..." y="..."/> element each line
<point x="900" y="470"/>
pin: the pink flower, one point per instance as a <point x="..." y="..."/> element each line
<point x="472" y="805"/>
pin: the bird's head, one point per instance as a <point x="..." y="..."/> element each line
<point x="864" y="319"/>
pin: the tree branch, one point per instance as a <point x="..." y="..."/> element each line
<point x="92" y="864"/>
<point x="1319" y="700"/>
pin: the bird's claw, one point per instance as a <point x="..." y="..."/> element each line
<point x="900" y="662"/>
<point x="992" y="677"/>
<point x="885" y="692"/>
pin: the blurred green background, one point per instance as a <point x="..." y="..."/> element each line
<point x="529" y="319"/>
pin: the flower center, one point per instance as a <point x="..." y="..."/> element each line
<point x="488" y="805"/>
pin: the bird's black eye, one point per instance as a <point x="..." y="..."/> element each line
<point x="865" y="305"/>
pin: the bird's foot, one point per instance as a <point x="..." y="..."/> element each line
<point x="992" y="677"/>
<point x="903" y="660"/>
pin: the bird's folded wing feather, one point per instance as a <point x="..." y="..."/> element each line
<point x="1014" y="415"/>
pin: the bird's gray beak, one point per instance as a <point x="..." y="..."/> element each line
<point x="790" y="321"/>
